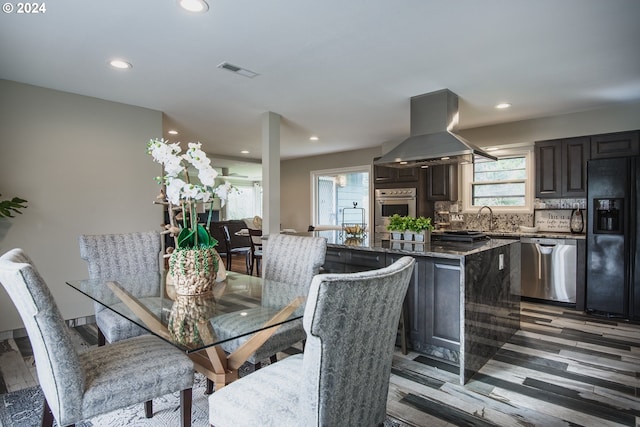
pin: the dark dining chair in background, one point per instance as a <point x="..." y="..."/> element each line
<point x="230" y="250"/>
<point x="255" y="236"/>
<point x="342" y="379"/>
<point x="78" y="386"/>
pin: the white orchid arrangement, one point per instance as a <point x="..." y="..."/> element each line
<point x="180" y="191"/>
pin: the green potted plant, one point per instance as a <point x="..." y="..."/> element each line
<point x="398" y="225"/>
<point x="422" y="227"/>
<point x="411" y="227"/>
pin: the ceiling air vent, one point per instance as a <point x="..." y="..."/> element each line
<point x="238" y="70"/>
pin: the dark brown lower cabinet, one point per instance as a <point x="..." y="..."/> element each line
<point x="433" y="303"/>
<point x="343" y="260"/>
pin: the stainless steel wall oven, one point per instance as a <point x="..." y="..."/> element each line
<point x="390" y="201"/>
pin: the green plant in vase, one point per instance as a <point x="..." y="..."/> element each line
<point x="194" y="262"/>
<point x="406" y="224"/>
<point x="422" y="226"/>
<point x="398" y="223"/>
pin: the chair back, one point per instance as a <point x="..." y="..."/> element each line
<point x="227" y="238"/>
<point x="57" y="363"/>
<point x="255" y="236"/>
<point x="110" y="256"/>
<point x="351" y="321"/>
<point x="289" y="264"/>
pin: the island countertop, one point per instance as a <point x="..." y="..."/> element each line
<point x="438" y="249"/>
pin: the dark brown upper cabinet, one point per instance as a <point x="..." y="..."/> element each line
<point x="389" y="175"/>
<point x="561" y="167"/>
<point x="442" y="183"/>
<point x="619" y="144"/>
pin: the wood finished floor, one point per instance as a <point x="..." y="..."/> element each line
<point x="563" y="368"/>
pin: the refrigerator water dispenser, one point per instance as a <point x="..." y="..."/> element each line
<point x="608" y="216"/>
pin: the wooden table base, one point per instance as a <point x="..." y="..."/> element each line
<point x="212" y="362"/>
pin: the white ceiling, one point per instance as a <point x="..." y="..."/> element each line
<point x="342" y="70"/>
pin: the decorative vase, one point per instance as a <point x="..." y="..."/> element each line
<point x="408" y="236"/>
<point x="189" y="314"/>
<point x="193" y="271"/>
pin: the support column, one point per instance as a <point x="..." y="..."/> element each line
<point x="270" y="173"/>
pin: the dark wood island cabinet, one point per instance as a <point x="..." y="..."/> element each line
<point x="463" y="302"/>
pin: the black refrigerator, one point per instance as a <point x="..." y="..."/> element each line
<point x="613" y="238"/>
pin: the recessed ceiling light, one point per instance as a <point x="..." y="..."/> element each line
<point x="245" y="151"/>
<point x="172" y="132"/>
<point x="120" y="64"/>
<point x="445" y="158"/>
<point x="503" y="105"/>
<point x="491" y="148"/>
<point x="403" y="162"/>
<point x="196" y="6"/>
<point x="313" y="138"/>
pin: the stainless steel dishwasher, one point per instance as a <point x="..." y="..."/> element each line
<point x="549" y="269"/>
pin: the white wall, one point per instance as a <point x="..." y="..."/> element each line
<point x="81" y="163"/>
<point x="295" y="182"/>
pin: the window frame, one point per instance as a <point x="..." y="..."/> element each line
<point x="468" y="181"/>
<point x="314" y="176"/>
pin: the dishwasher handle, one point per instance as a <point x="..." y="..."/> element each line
<point x="548" y="241"/>
<point x="545" y="249"/>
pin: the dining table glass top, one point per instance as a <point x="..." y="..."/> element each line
<point x="188" y="321"/>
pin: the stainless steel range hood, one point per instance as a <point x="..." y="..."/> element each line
<point x="433" y="116"/>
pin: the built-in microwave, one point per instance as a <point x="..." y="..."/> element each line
<point x="390" y="201"/>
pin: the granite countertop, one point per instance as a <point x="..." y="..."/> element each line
<point x="539" y="234"/>
<point x="455" y="250"/>
<point x="440" y="249"/>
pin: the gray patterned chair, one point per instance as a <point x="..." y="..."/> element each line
<point x="342" y="379"/>
<point x="113" y="255"/>
<point x="289" y="266"/>
<point x="78" y="386"/>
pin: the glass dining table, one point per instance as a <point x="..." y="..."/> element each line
<point x="187" y="321"/>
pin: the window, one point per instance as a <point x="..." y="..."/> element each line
<point x="505" y="184"/>
<point x="337" y="189"/>
<point x="246" y="202"/>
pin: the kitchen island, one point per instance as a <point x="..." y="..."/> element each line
<point x="463" y="302"/>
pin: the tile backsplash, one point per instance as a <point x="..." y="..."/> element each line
<point x="448" y="215"/>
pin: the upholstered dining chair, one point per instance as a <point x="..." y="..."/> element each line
<point x="342" y="379"/>
<point x="78" y="386"/>
<point x="289" y="266"/>
<point x="255" y="236"/>
<point x="230" y="250"/>
<point x="114" y="255"/>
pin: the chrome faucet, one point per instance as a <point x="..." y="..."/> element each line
<point x="490" y="216"/>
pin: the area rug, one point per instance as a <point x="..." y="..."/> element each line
<point x="24" y="409"/>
